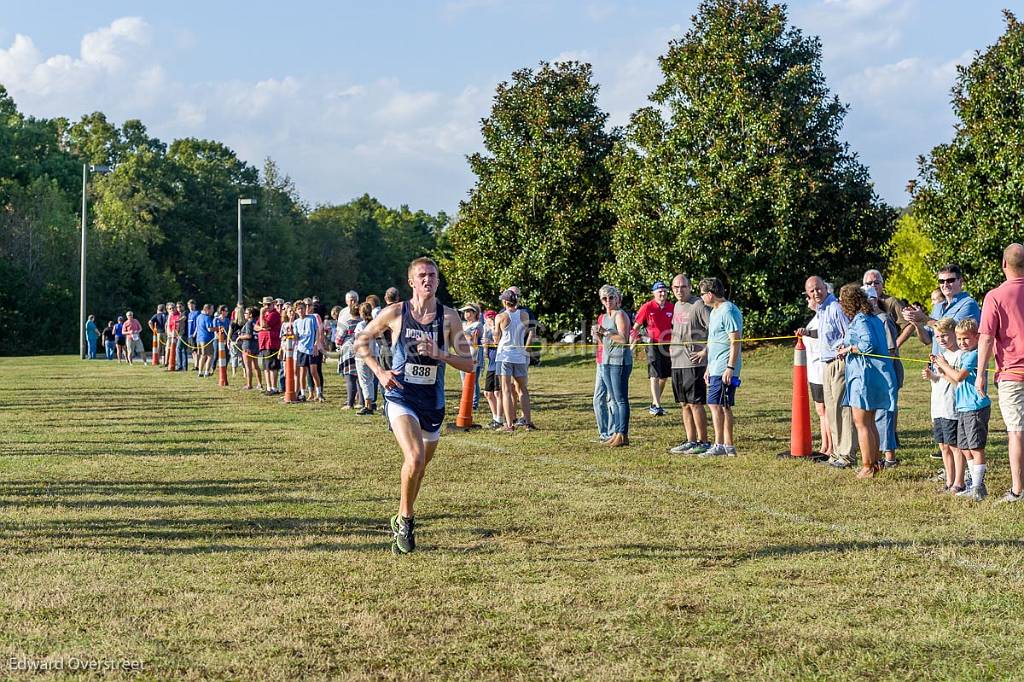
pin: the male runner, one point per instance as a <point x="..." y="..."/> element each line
<point x="422" y="330"/>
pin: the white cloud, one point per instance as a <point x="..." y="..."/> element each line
<point x="104" y="47"/>
<point x="906" y="86"/>
<point x="337" y="139"/>
<point x="852" y="28"/>
<point x="406" y="106"/>
<point x="104" y="54"/>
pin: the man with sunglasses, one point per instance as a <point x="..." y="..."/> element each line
<point x="957" y="304"/>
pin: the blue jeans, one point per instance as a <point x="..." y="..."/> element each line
<point x="616" y="380"/>
<point x="182" y="351"/>
<point x="91" y="341"/>
<point x="602" y="406"/>
<point x="109" y="348"/>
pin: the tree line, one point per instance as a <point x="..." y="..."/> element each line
<point x="162" y="226"/>
<point x="735" y="168"/>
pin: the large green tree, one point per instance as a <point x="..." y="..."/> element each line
<point x="969" y="195"/>
<point x="538" y="214"/>
<point x="736" y="169"/>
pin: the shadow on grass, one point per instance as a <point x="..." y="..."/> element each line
<point x="180" y="493"/>
<point x="99" y="449"/>
<point x="191" y="536"/>
<point x="780" y="551"/>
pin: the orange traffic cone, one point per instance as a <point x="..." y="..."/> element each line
<point x="288" y="349"/>
<point x="222" y="358"/>
<point x="800" y="419"/>
<point x="156" y="346"/>
<point x="464" y="422"/>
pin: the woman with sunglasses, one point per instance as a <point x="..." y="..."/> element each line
<point x="615" y="365"/>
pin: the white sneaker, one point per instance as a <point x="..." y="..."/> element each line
<point x="730" y="450"/>
<point x="1009" y="497"/>
<point x="682" y="448"/>
<point x="715" y="450"/>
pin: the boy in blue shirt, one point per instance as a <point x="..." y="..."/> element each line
<point x="306" y="331"/>
<point x="973" y="409"/>
<point x="725" y="326"/>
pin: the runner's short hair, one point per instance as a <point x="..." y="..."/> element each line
<point x="422" y="260"/>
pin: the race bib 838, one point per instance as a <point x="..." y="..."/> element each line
<point x="420" y="374"/>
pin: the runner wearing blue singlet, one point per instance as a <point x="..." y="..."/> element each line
<point x="422" y="330"/>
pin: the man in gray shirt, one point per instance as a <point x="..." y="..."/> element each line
<point x="689" y="355"/>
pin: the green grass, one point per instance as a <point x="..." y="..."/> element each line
<point x="209" y="532"/>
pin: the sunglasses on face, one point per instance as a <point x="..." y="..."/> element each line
<point x="872" y="284"/>
<point x="947" y="281"/>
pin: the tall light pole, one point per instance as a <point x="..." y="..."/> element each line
<point x="82" y="343"/>
<point x="241" y="203"/>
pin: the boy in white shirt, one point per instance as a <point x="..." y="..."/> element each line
<point x="943" y="408"/>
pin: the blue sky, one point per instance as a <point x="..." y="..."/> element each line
<point x="386" y="97"/>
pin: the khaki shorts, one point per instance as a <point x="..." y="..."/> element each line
<point x="1011" y="404"/>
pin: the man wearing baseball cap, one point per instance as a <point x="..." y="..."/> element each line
<point x="656" y="317"/>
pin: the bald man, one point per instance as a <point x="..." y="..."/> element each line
<point x="1002" y="328"/>
<point x="831" y="331"/>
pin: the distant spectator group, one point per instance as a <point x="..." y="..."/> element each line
<point x="694" y="343"/>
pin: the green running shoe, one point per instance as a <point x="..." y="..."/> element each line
<point x="405" y="534"/>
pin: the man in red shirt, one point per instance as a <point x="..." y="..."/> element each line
<point x="1002" y="331"/>
<point x="173" y="320"/>
<point x="269" y="337"/>
<point x="656" y="316"/>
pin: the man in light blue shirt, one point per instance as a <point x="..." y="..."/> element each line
<point x="725" y="329"/>
<point x="831" y="331"/>
<point x="957" y="305"/>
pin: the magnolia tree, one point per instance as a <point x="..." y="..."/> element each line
<point x="538" y="215"/>
<point x="736" y="169"/>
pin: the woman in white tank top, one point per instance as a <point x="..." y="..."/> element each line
<point x="513" y="360"/>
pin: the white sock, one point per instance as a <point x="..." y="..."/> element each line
<point x="978" y="475"/>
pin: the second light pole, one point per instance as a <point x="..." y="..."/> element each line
<point x="241" y="203"/>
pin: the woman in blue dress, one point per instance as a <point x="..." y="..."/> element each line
<point x="870" y="381"/>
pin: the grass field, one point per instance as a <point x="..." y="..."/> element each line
<point x="209" y="532"/>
